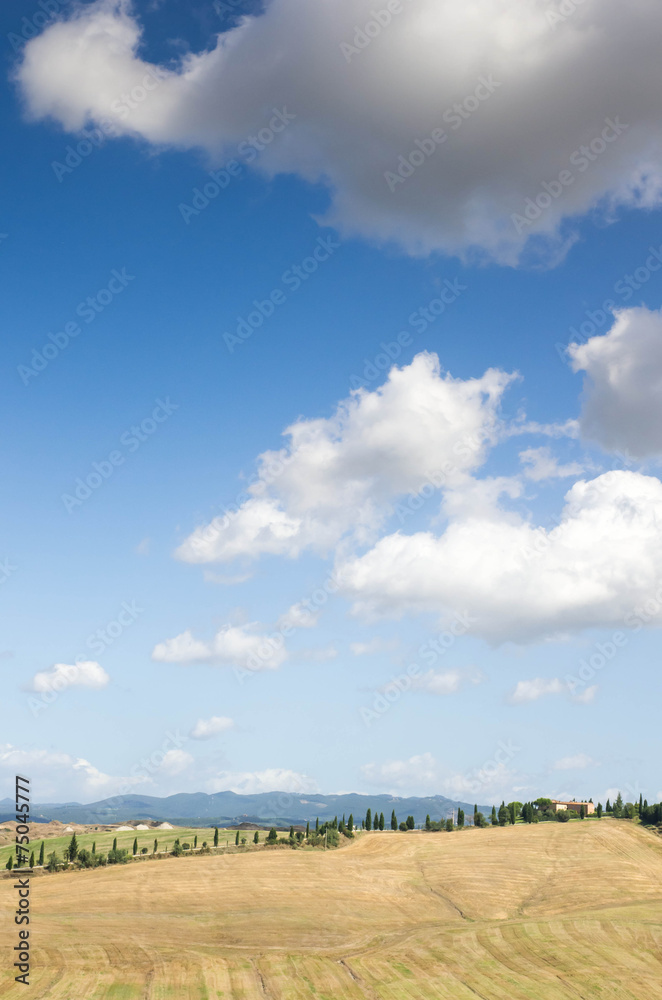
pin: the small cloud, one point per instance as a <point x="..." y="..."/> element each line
<point x="587" y="696"/>
<point x="225" y="581"/>
<point x="322" y="654"/>
<point x="204" y="729"/>
<point x="527" y="691"/>
<point x="447" y="681"/>
<point x="176" y="761"/>
<point x="298" y="616"/>
<point x="86" y="674"/>
<point x="574" y="763"/>
<point x="142" y="548"/>
<point x="540" y="464"/>
<point x="375" y="645"/>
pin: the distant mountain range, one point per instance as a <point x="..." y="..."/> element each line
<point x="228" y="808"/>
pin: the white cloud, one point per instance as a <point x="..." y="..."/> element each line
<point x="622" y="408"/>
<point x="298" y="616"/>
<point x="142" y="548"/>
<point x="357" y="113"/>
<point x="540" y="464"/>
<point x="270" y="780"/>
<point x="56" y="776"/>
<point x="204" y="729"/>
<point x="422" y="428"/>
<point x="233" y="645"/>
<point x="587" y="696"/>
<point x="518" y="581"/>
<point x="376" y="645"/>
<point x="578" y="762"/>
<point x="419" y="771"/>
<point x="422" y="774"/>
<point x="175" y="762"/>
<point x="526" y="691"/>
<point x="439" y="682"/>
<point x="62" y="675"/>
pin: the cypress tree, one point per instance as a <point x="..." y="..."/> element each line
<point x="256" y="837"/>
<point x="599" y="810"/>
<point x="495" y="821"/>
<point x="115" y="844"/>
<point x="368" y="819"/>
<point x="41" y="853"/>
<point x="307" y="830"/>
<point x="381" y="821"/>
<point x="608" y="806"/>
<point x="195" y="841"/>
<point x="291" y="833"/>
<point x="10" y="863"/>
<point x="32" y="860"/>
<point x="394" y="821"/>
<point x="317" y="825"/>
<point x="215" y="836"/>
<point x="582" y="811"/>
<point x="156" y="845"/>
<point x="72" y="850"/>
<point x="460" y="817"/>
<point x="428" y="824"/>
<point x="350" y="823"/>
<point x="236" y="839"/>
<point x="94" y="847"/>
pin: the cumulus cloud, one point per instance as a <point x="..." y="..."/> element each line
<point x="578" y="762"/>
<point x="87" y="674"/>
<point x="519" y="581"/>
<point x="273" y="779"/>
<point x="532" y="690"/>
<point x="622" y="407"/>
<point x="57" y="776"/>
<point x="539" y="464"/>
<point x="175" y="762"/>
<point x="338" y="475"/>
<point x="233" y="645"/>
<point x="298" y="616"/>
<point x="418" y="771"/>
<point x="422" y="774"/>
<point x="472" y="108"/>
<point x="204" y="729"/>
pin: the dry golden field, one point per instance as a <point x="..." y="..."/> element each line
<point x="549" y="911"/>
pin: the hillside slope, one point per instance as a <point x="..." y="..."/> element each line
<point x="548" y="912"/>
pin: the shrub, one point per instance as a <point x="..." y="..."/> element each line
<point x="403" y="827"/>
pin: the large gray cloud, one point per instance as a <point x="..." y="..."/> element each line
<point x="531" y="89"/>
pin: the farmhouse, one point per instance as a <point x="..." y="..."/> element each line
<point x="589" y="808"/>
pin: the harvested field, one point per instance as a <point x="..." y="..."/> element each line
<point x="543" y="912"/>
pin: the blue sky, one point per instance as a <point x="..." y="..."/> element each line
<point x="325" y="709"/>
